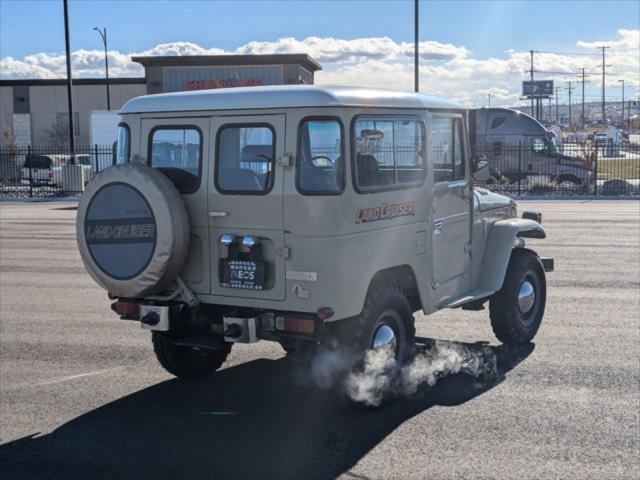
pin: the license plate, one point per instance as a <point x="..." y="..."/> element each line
<point x="245" y="274"/>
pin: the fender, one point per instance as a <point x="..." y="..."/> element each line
<point x="503" y="237"/>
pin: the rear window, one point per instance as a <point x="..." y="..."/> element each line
<point x="176" y="152"/>
<point x="320" y="164"/>
<point x="245" y="156"/>
<point x="37" y="162"/>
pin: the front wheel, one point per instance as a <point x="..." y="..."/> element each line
<point x="185" y="362"/>
<point x="516" y="310"/>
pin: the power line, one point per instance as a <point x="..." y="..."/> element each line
<point x="566" y="53"/>
<point x="616" y="53"/>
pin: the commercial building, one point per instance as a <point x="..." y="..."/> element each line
<point x="35" y="112"/>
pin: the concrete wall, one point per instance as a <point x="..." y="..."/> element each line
<point x="47" y="106"/>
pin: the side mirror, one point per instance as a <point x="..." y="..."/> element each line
<point x="481" y="171"/>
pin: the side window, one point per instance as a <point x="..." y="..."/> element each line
<point x="320" y="166"/>
<point x="176" y="152"/>
<point x="538" y="145"/>
<point x="447" y="149"/>
<point x="245" y="158"/>
<point x="389" y="153"/>
<point x="123" y="145"/>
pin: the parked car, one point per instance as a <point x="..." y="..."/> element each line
<point x="84" y="160"/>
<point x="37" y="170"/>
<point x="305" y="215"/>
<point x="49" y="169"/>
<point x="600" y="138"/>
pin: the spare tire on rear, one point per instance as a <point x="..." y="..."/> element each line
<point x="132" y="230"/>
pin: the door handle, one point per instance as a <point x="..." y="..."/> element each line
<point x="218" y="214"/>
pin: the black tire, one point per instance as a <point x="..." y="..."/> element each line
<point x="184" y="362"/>
<point x="512" y="325"/>
<point x="384" y="305"/>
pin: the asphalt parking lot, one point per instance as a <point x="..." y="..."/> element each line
<point x="82" y="395"/>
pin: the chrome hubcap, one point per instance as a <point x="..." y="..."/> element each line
<point x="384" y="336"/>
<point x="526" y="297"/>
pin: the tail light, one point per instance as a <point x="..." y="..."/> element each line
<point x="297" y="325"/>
<point x="126" y="310"/>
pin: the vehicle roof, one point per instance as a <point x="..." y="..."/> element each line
<point x="282" y="96"/>
<point x="514" y="114"/>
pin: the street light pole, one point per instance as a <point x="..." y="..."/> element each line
<point x="622" y="81"/>
<point x="103" y="35"/>
<point x="67" y="44"/>
<point x="416" y="46"/>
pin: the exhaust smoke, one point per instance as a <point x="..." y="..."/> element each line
<point x="378" y="376"/>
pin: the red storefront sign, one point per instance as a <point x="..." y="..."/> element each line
<point x="226" y="83"/>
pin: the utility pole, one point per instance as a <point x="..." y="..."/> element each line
<point x="604" y="66"/>
<point x="622" y="122"/>
<point x="583" y="76"/>
<point x="557" y="115"/>
<point x="103" y="35"/>
<point x="416" y="47"/>
<point x="569" y="88"/>
<point x="531" y="78"/>
<point x="72" y="146"/>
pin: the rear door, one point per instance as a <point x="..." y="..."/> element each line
<point x="245" y="205"/>
<point x="178" y="148"/>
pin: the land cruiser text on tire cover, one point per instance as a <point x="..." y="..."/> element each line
<point x="132" y="230"/>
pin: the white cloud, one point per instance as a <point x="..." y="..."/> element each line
<point x="446" y="69"/>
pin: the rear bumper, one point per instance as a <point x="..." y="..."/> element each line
<point x="547" y="263"/>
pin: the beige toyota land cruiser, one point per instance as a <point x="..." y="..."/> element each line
<point x="303" y="215"/>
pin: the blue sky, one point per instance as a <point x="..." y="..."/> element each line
<point x="487" y="28"/>
<point x="479" y="30"/>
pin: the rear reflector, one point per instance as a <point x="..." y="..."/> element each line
<point x="297" y="325"/>
<point x="128" y="310"/>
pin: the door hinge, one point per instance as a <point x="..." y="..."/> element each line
<point x="285" y="161"/>
<point x="284" y="252"/>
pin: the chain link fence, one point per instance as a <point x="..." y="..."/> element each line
<point x="516" y="169"/>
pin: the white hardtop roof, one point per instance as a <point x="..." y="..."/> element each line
<point x="282" y="96"/>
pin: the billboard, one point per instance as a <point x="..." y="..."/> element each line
<point x="537" y="88"/>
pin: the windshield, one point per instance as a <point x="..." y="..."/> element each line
<point x="37" y="161"/>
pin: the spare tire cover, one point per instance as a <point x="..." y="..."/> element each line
<point x="132" y="230"/>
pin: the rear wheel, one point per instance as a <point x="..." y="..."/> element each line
<point x="517" y="309"/>
<point x="185" y="362"/>
<point x="383" y="338"/>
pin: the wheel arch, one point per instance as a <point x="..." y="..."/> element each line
<point x="401" y="275"/>
<point x="504" y="237"/>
